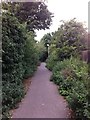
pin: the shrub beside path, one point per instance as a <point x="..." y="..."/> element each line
<point x="42" y="99"/>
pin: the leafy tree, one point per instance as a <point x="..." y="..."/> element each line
<point x="44" y="46"/>
<point x="34" y="14"/>
<point x="68" y="39"/>
<point x="46" y="39"/>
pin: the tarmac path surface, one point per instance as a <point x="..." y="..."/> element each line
<point x="42" y="99"/>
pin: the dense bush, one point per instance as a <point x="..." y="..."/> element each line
<point x="72" y="77"/>
<point x="42" y="51"/>
<point x="68" y="40"/>
<point x="20" y="52"/>
<point x="13" y="43"/>
<point x="52" y="60"/>
<point x="19" y="60"/>
<point x="30" y="55"/>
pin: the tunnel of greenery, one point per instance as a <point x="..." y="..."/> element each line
<point x="61" y="50"/>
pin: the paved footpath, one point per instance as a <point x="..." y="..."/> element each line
<point x="42" y="99"/>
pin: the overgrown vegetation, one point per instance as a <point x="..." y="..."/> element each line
<point x="31" y="57"/>
<point x="42" y="51"/>
<point x="72" y="77"/>
<point x="67" y="41"/>
<point x="12" y="66"/>
<point x="34" y="14"/>
<point x="70" y="73"/>
<point x="19" y="60"/>
<point x="20" y="52"/>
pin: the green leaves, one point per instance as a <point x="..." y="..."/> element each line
<point x="34" y="14"/>
<point x="68" y="40"/>
<point x="13" y="71"/>
<point x="20" y="51"/>
<point x="72" y="77"/>
<point x="19" y="58"/>
<point x="30" y="55"/>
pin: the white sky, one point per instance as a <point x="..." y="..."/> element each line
<point x="65" y="10"/>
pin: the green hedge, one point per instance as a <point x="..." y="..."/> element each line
<point x="13" y="42"/>
<point x="19" y="60"/>
<point x="72" y="77"/>
<point x="31" y="55"/>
